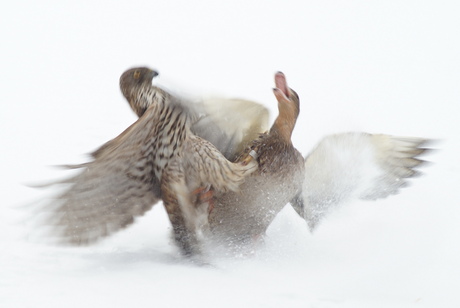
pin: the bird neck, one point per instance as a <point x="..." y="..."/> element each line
<point x="284" y="123"/>
<point x="142" y="97"/>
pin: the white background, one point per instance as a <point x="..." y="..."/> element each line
<point x="376" y="66"/>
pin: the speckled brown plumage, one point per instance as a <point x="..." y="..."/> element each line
<point x="240" y="217"/>
<point x="160" y="157"/>
<point x="341" y="167"/>
<point x="184" y="162"/>
<point x="130" y="173"/>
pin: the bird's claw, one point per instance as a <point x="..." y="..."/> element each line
<point x="251" y="155"/>
<point x="205" y="195"/>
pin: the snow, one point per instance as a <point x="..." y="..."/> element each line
<point x="381" y="67"/>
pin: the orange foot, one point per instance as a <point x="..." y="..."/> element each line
<point x="250" y="156"/>
<point x="205" y="195"/>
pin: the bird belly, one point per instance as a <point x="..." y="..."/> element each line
<point x="245" y="215"/>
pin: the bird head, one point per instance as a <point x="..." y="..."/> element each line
<point x="136" y="77"/>
<point x="288" y="99"/>
<point x="131" y="81"/>
<point x="288" y="107"/>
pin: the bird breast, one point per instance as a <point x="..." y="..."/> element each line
<point x="172" y="129"/>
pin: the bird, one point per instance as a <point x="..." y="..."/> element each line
<point x="342" y="167"/>
<point x="157" y="158"/>
<point x="145" y="164"/>
<point x="240" y="218"/>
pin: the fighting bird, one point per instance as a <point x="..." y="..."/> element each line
<point x="340" y="168"/>
<point x="156" y="158"/>
<point x="244" y="216"/>
<point x="195" y="158"/>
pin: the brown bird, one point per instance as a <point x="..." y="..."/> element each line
<point x="341" y="167"/>
<point x="157" y="157"/>
<point x="151" y="161"/>
<point x="246" y="215"/>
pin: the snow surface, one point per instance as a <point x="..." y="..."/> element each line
<point x="376" y="66"/>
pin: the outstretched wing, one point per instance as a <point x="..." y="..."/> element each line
<point x="229" y="124"/>
<point x="109" y="192"/>
<point x="355" y="165"/>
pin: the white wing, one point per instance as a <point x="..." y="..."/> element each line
<point x="229" y="124"/>
<point x="355" y="165"/>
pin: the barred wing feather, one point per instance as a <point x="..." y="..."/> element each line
<point x="110" y="191"/>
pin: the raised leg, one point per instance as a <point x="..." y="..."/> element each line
<point x="176" y="199"/>
<point x="204" y="197"/>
